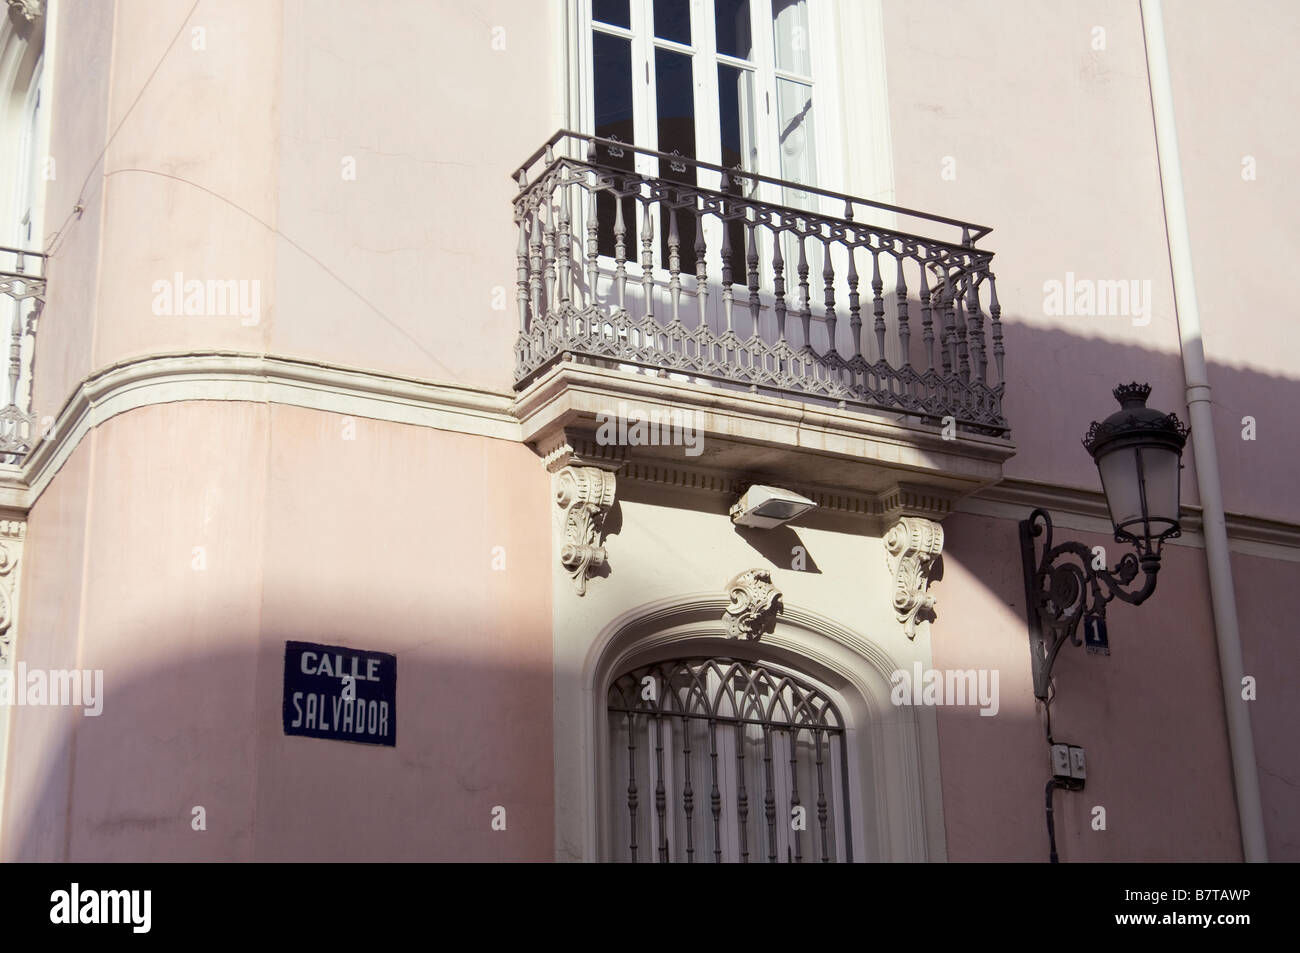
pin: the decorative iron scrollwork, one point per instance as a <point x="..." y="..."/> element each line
<point x="1062" y="588"/>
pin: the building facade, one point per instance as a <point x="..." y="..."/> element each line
<point x="466" y="344"/>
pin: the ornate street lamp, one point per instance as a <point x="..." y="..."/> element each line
<point x="1138" y="452"/>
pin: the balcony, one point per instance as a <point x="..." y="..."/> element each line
<point x="659" y="278"/>
<point x="22" y="295"/>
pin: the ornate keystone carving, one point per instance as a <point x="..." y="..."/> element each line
<point x="911" y="546"/>
<point x="585" y="494"/>
<point x="754" y="604"/>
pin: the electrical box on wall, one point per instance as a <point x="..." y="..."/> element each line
<point x="1068" y="761"/>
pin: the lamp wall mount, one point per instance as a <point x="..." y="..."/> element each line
<point x="1062" y="589"/>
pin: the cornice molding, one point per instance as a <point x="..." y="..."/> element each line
<point x="257" y="378"/>
<point x="1085" y="510"/>
<point x="261" y="378"/>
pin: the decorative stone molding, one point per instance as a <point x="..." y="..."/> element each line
<point x="26" y="12"/>
<point x="909" y="500"/>
<point x="11" y="547"/>
<point x="568" y="448"/>
<point x="753" y="605"/>
<point x="585" y="494"/>
<point x="911" y="546"/>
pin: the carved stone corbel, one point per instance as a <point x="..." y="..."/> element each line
<point x="754" y="604"/>
<point x="911" y="547"/>
<point x="585" y="494"/>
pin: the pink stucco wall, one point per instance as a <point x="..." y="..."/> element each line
<point x="1150" y="716"/>
<point x="379" y="543"/>
<point x="230" y="166"/>
<point x="78" y="128"/>
<point x="1268" y="603"/>
<point x="1243" y="231"/>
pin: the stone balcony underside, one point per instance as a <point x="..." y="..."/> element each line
<point x="875" y="466"/>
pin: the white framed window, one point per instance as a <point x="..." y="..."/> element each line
<point x="731" y="82"/>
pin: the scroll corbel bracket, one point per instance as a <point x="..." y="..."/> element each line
<point x="911" y="547"/>
<point x="585" y="494"/>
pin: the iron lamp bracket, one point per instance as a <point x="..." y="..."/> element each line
<point x="1062" y="588"/>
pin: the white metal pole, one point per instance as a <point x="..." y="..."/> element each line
<point x="1222" y="597"/>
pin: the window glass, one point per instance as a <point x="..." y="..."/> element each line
<point x="732" y="19"/>
<point x="675" y="109"/>
<point x="736" y="117"/>
<point x="790" y="32"/>
<point x="673" y="20"/>
<point x="612" y="11"/>
<point x="612" y="57"/>
<point x="795" y="117"/>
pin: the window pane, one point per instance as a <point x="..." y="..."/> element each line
<point x="739" y="144"/>
<point x="612" y="59"/>
<point x="675" y="102"/>
<point x="675" y="107"/>
<point x="611" y="11"/>
<point x="673" y="20"/>
<point x="736" y="117"/>
<point x="790" y="33"/>
<point x="795" y="115"/>
<point x="732" y="17"/>
<point x="612" y="89"/>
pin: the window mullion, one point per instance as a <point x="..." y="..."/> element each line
<point x="707" y="122"/>
<point x="765" y="96"/>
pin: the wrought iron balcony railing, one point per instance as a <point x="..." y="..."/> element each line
<point x="22" y="295"/>
<point x="726" y="259"/>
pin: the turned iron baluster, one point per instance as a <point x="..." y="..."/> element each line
<point x="751" y="259"/>
<point x="828" y="279"/>
<point x="995" y="320"/>
<point x="855" y="303"/>
<point x="904" y="330"/>
<point x="674" y="264"/>
<point x="701" y="268"/>
<point x="878" y="303"/>
<point x="927" y="323"/>
<point x="805" y="300"/>
<point x="648" y="258"/>
<point x="620" y="252"/>
<point x="778" y="285"/>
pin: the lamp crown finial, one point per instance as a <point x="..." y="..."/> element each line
<point x="1132" y="394"/>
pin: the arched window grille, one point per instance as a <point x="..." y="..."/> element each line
<point x="718" y="759"/>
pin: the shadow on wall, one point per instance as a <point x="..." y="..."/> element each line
<point x="207" y="732"/>
<point x="472" y="735"/>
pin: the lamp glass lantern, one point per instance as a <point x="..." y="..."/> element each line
<point x="1138" y="452"/>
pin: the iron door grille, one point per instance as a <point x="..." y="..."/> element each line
<point x="726" y="760"/>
